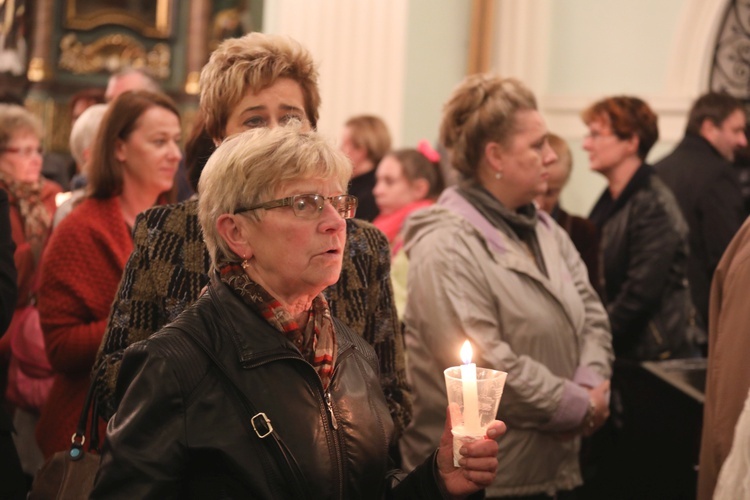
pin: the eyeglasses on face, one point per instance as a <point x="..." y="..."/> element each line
<point x="310" y="206"/>
<point x="595" y="135"/>
<point x="26" y="152"/>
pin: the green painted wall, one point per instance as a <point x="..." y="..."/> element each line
<point x="609" y="46"/>
<point x="436" y="57"/>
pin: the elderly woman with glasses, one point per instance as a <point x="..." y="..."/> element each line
<point x="258" y="80"/>
<point x="31" y="196"/>
<point x="256" y="391"/>
<point x="31" y="204"/>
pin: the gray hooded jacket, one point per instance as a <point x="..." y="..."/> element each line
<point x="551" y="334"/>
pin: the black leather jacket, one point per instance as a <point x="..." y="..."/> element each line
<point x="644" y="258"/>
<point x="178" y="433"/>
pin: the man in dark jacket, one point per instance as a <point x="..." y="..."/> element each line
<point x="700" y="174"/>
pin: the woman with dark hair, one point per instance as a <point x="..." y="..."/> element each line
<point x="407" y="180"/>
<point x="133" y="164"/>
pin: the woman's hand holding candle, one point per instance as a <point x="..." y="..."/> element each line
<point x="478" y="465"/>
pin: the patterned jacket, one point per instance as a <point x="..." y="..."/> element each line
<point x="169" y="268"/>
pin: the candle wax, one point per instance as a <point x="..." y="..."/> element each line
<point x="471" y="398"/>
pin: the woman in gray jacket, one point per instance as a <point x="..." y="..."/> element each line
<point x="486" y="266"/>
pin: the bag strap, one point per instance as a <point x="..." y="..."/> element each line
<point x="258" y="424"/>
<point x="79" y="437"/>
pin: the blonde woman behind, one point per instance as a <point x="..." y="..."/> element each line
<point x="365" y="140"/>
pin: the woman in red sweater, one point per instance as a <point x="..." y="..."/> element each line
<point x="134" y="161"/>
<point x="31" y="208"/>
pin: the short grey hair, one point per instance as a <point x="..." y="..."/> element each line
<point x="84" y="131"/>
<point x="250" y="167"/>
<point x="146" y="81"/>
<point x="17" y="119"/>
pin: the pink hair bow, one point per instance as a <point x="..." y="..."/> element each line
<point x="425" y="148"/>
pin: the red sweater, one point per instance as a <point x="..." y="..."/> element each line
<point x="80" y="272"/>
<point x="23" y="257"/>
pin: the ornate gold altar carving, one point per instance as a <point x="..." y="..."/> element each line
<point x="148" y="17"/>
<point x="112" y="53"/>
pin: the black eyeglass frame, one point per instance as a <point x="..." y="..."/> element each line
<point x="350" y="203"/>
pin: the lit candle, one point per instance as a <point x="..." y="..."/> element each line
<point x="469" y="386"/>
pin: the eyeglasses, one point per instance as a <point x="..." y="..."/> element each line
<point x="596" y="135"/>
<point x="310" y="206"/>
<point x="26" y="152"/>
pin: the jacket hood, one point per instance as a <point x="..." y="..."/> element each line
<point x="453" y="211"/>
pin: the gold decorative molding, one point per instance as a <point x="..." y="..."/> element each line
<point x="150" y="18"/>
<point x="55" y="117"/>
<point x="192" y="83"/>
<point x="112" y="53"/>
<point x="37" y="70"/>
<point x="480" y="33"/>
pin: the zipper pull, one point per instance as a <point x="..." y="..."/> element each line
<point x="329" y="404"/>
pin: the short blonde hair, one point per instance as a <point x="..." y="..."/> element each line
<point x="371" y="133"/>
<point x="252" y="63"/>
<point x="15" y="119"/>
<point x="250" y="167"/>
<point x="481" y="109"/>
<point x="562" y="150"/>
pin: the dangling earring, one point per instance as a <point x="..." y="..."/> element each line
<point x="498" y="175"/>
<point x="245" y="264"/>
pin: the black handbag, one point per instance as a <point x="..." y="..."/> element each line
<point x="69" y="475"/>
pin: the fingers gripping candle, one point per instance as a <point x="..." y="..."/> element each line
<point x="470" y="394"/>
<point x="473" y="398"/>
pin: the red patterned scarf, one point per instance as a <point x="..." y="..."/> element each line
<point x="316" y="340"/>
<point x="27" y="196"/>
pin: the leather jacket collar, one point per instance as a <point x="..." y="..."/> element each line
<point x="235" y="316"/>
<point x="606" y="207"/>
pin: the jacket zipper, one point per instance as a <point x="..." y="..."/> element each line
<point x="329" y="404"/>
<point x="334" y="424"/>
<point x="332" y="430"/>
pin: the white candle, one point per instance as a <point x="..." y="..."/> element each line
<point x="469" y="386"/>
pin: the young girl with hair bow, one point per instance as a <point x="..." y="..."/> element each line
<point x="407" y="180"/>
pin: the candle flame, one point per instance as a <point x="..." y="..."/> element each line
<point x="466" y="353"/>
